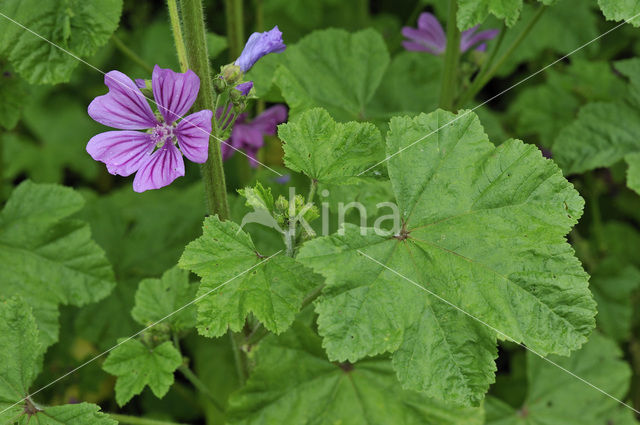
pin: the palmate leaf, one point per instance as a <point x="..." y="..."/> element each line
<point x="137" y="366"/>
<point x="329" y="152"/>
<point x="226" y="258"/>
<point x="158" y="298"/>
<point x="47" y="257"/>
<point x="79" y="26"/>
<point x="484" y="228"/>
<point x="21" y="356"/>
<point x="293" y="379"/>
<point x="556" y="397"/>
<point x="474" y="12"/>
<point x="621" y="10"/>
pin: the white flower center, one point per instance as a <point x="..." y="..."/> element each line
<point x="161" y="134"/>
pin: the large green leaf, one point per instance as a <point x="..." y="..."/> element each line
<point x="556" y="397"/>
<point x="78" y="26"/>
<point x="47" y="257"/>
<point x="335" y="70"/>
<point x="474" y="12"/>
<point x="483" y="228"/>
<point x="158" y="298"/>
<point x="293" y="379"/>
<point x="137" y="366"/>
<point x="621" y="10"/>
<point x="21" y="357"/>
<point x="329" y="152"/>
<point x="226" y="258"/>
<point x="13" y="91"/>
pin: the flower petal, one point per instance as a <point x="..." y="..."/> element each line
<point x="430" y="24"/>
<point x="123" y="152"/>
<point x="162" y="167"/>
<point x="267" y="122"/>
<point x="124" y="107"/>
<point x="244" y="88"/>
<point x="469" y="38"/>
<point x="174" y="92"/>
<point x="258" y="45"/>
<point x="193" y="135"/>
<point x="422" y="41"/>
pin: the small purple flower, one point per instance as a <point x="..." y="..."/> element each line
<point x="250" y="136"/>
<point x="152" y="155"/>
<point x="258" y="45"/>
<point x="245" y="88"/>
<point x="430" y="37"/>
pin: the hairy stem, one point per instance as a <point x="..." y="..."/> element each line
<point x="135" y="420"/>
<point x="482" y="79"/>
<point x="198" y="61"/>
<point x="451" y="59"/>
<point x="235" y="27"/>
<point x="177" y="34"/>
<point x="130" y="53"/>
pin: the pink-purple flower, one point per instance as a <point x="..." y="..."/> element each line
<point x="249" y="136"/>
<point x="258" y="45"/>
<point x="430" y="37"/>
<point x="156" y="154"/>
<point x="244" y="88"/>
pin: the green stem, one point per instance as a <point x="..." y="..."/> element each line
<point x="200" y="386"/>
<point x="451" y="58"/>
<point x="130" y="54"/>
<point x="177" y="34"/>
<point x="235" y="27"/>
<point x="482" y="79"/>
<point x="239" y="359"/>
<point x="312" y="191"/>
<point x="198" y="60"/>
<point x="134" y="420"/>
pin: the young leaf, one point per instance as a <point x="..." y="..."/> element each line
<point x="157" y="298"/>
<point x="333" y="69"/>
<point x="137" y="366"/>
<point x="555" y="396"/>
<point x="484" y="229"/>
<point x="475" y="12"/>
<point x="21" y="356"/>
<point x="80" y="27"/>
<point x="621" y="10"/>
<point x="329" y="152"/>
<point x="225" y="258"/>
<point x="293" y="379"/>
<point x="258" y="197"/>
<point x="48" y="257"/>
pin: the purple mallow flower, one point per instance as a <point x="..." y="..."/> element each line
<point x="249" y="137"/>
<point x="245" y="88"/>
<point x="152" y="155"/>
<point x="258" y="45"/>
<point x="430" y="37"/>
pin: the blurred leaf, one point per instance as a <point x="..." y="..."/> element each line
<point x="216" y="44"/>
<point x="47" y="257"/>
<point x="621" y="10"/>
<point x="293" y="379"/>
<point x="556" y="397"/>
<point x="13" y="92"/>
<point x="78" y="26"/>
<point x="137" y="366"/>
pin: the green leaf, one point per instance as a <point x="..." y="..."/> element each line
<point x="216" y="44"/>
<point x="621" y="10"/>
<point x="13" y="91"/>
<point x="258" y="197"/>
<point x="78" y="26"/>
<point x="47" y="257"/>
<point x="294" y="380"/>
<point x="474" y="12"/>
<point x="333" y="69"/>
<point x="633" y="172"/>
<point x="225" y="258"/>
<point x="137" y="366"/>
<point x="484" y="228"/>
<point x="329" y="152"/>
<point x="158" y="298"/>
<point x="21" y="356"/>
<point x="554" y="396"/>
